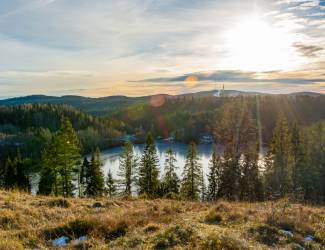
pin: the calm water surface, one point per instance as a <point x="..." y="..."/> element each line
<point x="110" y="157"/>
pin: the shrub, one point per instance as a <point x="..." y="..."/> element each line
<point x="172" y="196"/>
<point x="59" y="203"/>
<point x="173" y="236"/>
<point x="151" y="228"/>
<point x="265" y="234"/>
<point x="213" y="217"/>
<point x="73" y="229"/>
<point x="9" y="222"/>
<point x="216" y="242"/>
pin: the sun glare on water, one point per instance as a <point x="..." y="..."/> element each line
<point x="255" y="45"/>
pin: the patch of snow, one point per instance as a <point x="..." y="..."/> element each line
<point x="61" y="241"/>
<point x="309" y="238"/>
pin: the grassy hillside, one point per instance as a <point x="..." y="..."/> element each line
<point x="28" y="222"/>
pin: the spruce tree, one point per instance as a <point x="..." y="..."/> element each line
<point x="82" y="176"/>
<point x="49" y="176"/>
<point x="59" y="161"/>
<point x="68" y="155"/>
<point x="279" y="176"/>
<point x="110" y="184"/>
<point x="214" y="175"/>
<point x="170" y="181"/>
<point x="149" y="172"/>
<point x="95" y="179"/>
<point x="192" y="175"/>
<point x="15" y="173"/>
<point x="299" y="162"/>
<point x="127" y="167"/>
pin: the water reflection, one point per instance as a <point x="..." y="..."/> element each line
<point x="110" y="157"/>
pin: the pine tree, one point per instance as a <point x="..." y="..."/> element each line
<point x="149" y="172"/>
<point x="128" y="164"/>
<point x="110" y="184"/>
<point x="214" y="175"/>
<point x="95" y="179"/>
<point x="170" y="181"/>
<point x="192" y="175"/>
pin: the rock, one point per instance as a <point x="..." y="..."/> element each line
<point x="61" y="241"/>
<point x="309" y="238"/>
<point x="286" y="233"/>
<point x="97" y="205"/>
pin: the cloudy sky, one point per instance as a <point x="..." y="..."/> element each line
<point x="141" y="47"/>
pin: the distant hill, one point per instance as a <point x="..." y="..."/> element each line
<point x="106" y="105"/>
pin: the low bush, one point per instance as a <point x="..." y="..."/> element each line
<point x="265" y="234"/>
<point x="59" y="203"/>
<point x="213" y="217"/>
<point x="173" y="236"/>
<point x="216" y="242"/>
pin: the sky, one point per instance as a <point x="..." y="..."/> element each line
<point x="141" y="47"/>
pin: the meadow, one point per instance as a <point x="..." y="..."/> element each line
<point x="33" y="222"/>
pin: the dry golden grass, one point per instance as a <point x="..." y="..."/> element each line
<point x="29" y="222"/>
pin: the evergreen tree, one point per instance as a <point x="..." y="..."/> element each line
<point x="49" y="176"/>
<point x="15" y="173"/>
<point x="170" y="181"/>
<point x="192" y="175"/>
<point x="21" y="165"/>
<point x="68" y="155"/>
<point x="82" y="176"/>
<point x="214" y="175"/>
<point x="9" y="174"/>
<point x="149" y="172"/>
<point x="110" y="184"/>
<point x="95" y="179"/>
<point x="315" y="173"/>
<point x="299" y="162"/>
<point x="59" y="160"/>
<point x="279" y="178"/>
<point x="128" y="164"/>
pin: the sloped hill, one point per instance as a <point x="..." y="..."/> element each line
<point x="29" y="222"/>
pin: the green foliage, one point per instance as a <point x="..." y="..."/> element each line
<point x="15" y="173"/>
<point x="170" y="181"/>
<point x="213" y="217"/>
<point x="173" y="236"/>
<point x="60" y="158"/>
<point x="148" y="181"/>
<point x="192" y="174"/>
<point x="110" y="184"/>
<point x="127" y="167"/>
<point x="215" y="169"/>
<point x="95" y="179"/>
<point x="279" y="175"/>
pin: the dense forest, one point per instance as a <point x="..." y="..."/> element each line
<point x="51" y="139"/>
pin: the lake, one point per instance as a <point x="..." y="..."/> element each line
<point x="110" y="157"/>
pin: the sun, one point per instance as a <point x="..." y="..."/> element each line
<point x="255" y="45"/>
